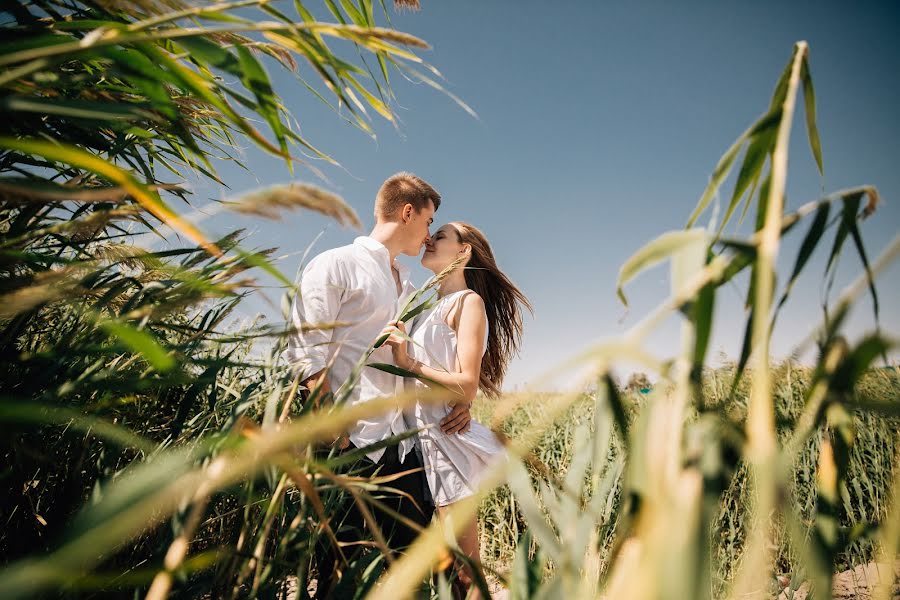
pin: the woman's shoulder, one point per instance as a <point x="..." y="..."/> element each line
<point x="470" y="304"/>
<point x="470" y="301"/>
<point x="472" y="298"/>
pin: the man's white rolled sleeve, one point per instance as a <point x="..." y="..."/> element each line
<point x="318" y="302"/>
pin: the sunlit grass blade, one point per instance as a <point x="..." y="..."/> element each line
<point x="653" y="253"/>
<point x="17" y="411"/>
<point x="76" y="157"/>
<point x="142" y="343"/>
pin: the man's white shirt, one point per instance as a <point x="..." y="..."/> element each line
<point x="351" y="284"/>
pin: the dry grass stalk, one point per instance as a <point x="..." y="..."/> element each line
<point x="270" y="201"/>
<point x="153" y="7"/>
<point x="18" y="194"/>
<point x="46" y="287"/>
<point x="128" y="255"/>
<point x="444" y="274"/>
<point x="380" y="33"/>
<point x="410" y="4"/>
<point x="93" y="225"/>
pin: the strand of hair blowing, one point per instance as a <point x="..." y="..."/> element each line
<point x="503" y="303"/>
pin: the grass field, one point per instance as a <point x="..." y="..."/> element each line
<point x="866" y="499"/>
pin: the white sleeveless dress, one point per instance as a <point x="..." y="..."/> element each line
<point x="453" y="463"/>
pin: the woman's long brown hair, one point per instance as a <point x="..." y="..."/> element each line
<point x="503" y="303"/>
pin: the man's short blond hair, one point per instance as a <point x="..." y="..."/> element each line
<point x="401" y="189"/>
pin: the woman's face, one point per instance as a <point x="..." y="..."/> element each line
<point x="442" y="248"/>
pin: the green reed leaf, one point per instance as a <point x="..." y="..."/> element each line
<point x="141" y="342"/>
<point x="527" y="572"/>
<point x="207" y="52"/>
<point x="77" y="157"/>
<point x="702" y="313"/>
<point x="520" y="484"/>
<point x="859" y="360"/>
<point x="654" y="252"/>
<point x="809" y="244"/>
<point x="77" y="109"/>
<point x="762" y="142"/>
<point x="399" y="372"/>
<point x="812" y="130"/>
<point x="29" y="411"/>
<point x="723" y="168"/>
<point x="255" y="79"/>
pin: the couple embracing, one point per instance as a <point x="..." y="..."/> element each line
<point x="461" y="344"/>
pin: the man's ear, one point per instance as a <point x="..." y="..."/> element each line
<point x="406" y="213"/>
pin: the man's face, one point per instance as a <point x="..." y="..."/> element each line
<point x="417" y="229"/>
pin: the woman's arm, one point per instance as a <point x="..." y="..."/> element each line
<point x="471" y="324"/>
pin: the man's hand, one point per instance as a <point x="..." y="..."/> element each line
<point x="459" y="419"/>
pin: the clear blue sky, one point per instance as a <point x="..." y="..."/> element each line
<point x="599" y="124"/>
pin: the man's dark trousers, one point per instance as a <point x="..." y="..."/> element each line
<point x="349" y="525"/>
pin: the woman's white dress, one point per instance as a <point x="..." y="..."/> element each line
<point x="453" y="463"/>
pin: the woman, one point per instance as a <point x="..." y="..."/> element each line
<point x="464" y="342"/>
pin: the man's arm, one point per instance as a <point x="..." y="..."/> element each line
<point x="316" y="380"/>
<point x="318" y="302"/>
<point x="311" y="383"/>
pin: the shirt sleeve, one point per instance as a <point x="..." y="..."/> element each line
<point x="318" y="301"/>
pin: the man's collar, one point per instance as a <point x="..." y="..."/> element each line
<point x="373" y="245"/>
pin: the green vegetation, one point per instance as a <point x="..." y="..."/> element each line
<point x="148" y="448"/>
<point x="123" y="369"/>
<point x="868" y="491"/>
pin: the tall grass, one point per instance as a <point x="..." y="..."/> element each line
<point x="866" y="502"/>
<point x="123" y="370"/>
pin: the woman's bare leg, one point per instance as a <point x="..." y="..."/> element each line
<point x="468" y="542"/>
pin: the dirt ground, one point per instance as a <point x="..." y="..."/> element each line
<point x="856" y="584"/>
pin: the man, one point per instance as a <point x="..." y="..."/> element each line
<point x="363" y="286"/>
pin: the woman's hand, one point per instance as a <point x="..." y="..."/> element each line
<point x="397" y="342"/>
